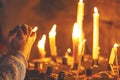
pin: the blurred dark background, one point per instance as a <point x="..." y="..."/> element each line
<point x="45" y="13"/>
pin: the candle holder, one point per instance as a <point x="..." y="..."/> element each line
<point x="36" y="65"/>
<point x="54" y="59"/>
<point x="75" y="66"/>
<point x="61" y="75"/>
<point x="64" y="61"/>
<point x="95" y="63"/>
<point x="88" y="72"/>
<point x="108" y="67"/>
<point x="49" y="70"/>
<point x="82" y="59"/>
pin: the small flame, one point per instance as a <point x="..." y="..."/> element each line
<point x="95" y="10"/>
<point x="35" y="29"/>
<point x="53" y="31"/>
<point x="76" y="31"/>
<point x="81" y="1"/>
<point x="84" y="40"/>
<point x="69" y="50"/>
<point x="116" y="45"/>
<point x="41" y="42"/>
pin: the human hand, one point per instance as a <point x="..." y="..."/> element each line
<point x="21" y="38"/>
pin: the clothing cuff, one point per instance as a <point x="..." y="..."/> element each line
<point x="21" y="57"/>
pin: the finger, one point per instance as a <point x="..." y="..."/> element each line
<point x="14" y="30"/>
<point x="20" y="34"/>
<point x="30" y="30"/>
<point x="25" y="29"/>
<point x="33" y="34"/>
<point x="12" y="37"/>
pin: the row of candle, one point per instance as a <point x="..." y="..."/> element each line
<point x="95" y="49"/>
<point x="77" y="36"/>
<point x="80" y="18"/>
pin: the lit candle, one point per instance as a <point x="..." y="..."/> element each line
<point x="52" y="41"/>
<point x="67" y="59"/>
<point x="80" y="16"/>
<point x="69" y="50"/>
<point x="35" y="29"/>
<point x="41" y="46"/>
<point x="75" y="40"/>
<point x="112" y="54"/>
<point x="80" y="11"/>
<point x="95" y="34"/>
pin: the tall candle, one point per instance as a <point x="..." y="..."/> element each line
<point x="75" y="40"/>
<point x="95" y="34"/>
<point x="80" y="13"/>
<point x="80" y="16"/>
<point x="41" y="46"/>
<point x="112" y="54"/>
<point x="52" y="41"/>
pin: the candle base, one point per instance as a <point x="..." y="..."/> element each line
<point x="108" y="67"/>
<point x="54" y="59"/>
<point x="82" y="60"/>
<point x="49" y="70"/>
<point x="64" y="61"/>
<point x="75" y="66"/>
<point x="95" y="63"/>
<point x="36" y="65"/>
<point x="88" y="72"/>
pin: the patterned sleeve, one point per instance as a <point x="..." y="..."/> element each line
<point x="13" y="67"/>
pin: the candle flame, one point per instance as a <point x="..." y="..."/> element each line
<point x="41" y="42"/>
<point x="95" y="10"/>
<point x="69" y="50"/>
<point x="116" y="45"/>
<point x="84" y="40"/>
<point x="81" y="1"/>
<point x="53" y="31"/>
<point x="76" y="31"/>
<point x="35" y="29"/>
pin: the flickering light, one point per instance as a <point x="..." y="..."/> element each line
<point x="41" y="46"/>
<point x="116" y="45"/>
<point x="76" y="31"/>
<point x="75" y="39"/>
<point x="81" y="1"/>
<point x="53" y="31"/>
<point x="95" y="10"/>
<point x="69" y="50"/>
<point x="35" y="29"/>
<point x="41" y="43"/>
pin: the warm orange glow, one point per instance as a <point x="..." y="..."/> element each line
<point x="95" y="10"/>
<point x="116" y="45"/>
<point x="69" y="50"/>
<point x="35" y="29"/>
<point x="112" y="55"/>
<point x="41" y="43"/>
<point x="76" y="31"/>
<point x="75" y="39"/>
<point x="53" y="31"/>
<point x="41" y="46"/>
<point x="81" y="1"/>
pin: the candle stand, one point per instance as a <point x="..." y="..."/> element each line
<point x="95" y="63"/>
